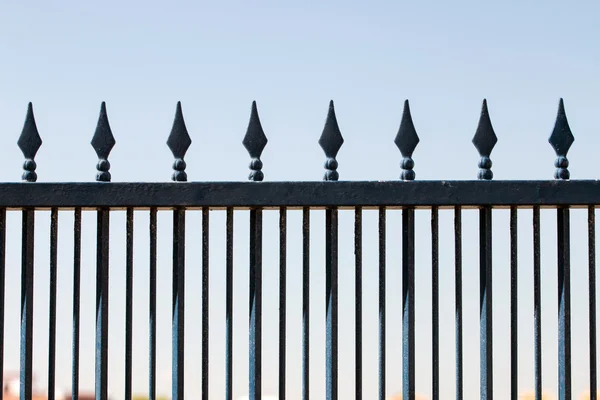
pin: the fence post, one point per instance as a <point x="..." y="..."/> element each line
<point x="561" y="140"/>
<point x="178" y="142"/>
<point x="484" y="140"/>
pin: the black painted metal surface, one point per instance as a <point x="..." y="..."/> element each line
<point x="244" y="195"/>
<point x="205" y="304"/>
<point x="29" y="142"/>
<point x="26" y="368"/>
<point x="52" y="304"/>
<point x="103" y="141"/>
<point x="331" y="141"/>
<point x="255" y="142"/>
<point x="76" y="304"/>
<point x="458" y="311"/>
<point x="255" y="279"/>
<point x="305" y="303"/>
<point x="179" y="142"/>
<point x="407" y="140"/>
<point x="102" y="275"/>
<point x="358" y="348"/>
<point x="178" y="316"/>
<point x="561" y="194"/>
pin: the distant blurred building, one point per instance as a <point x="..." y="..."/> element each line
<point x="399" y="397"/>
<point x="531" y="396"/>
<point x="11" y="388"/>
<point x="585" y="396"/>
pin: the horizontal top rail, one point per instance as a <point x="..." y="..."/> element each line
<point x="342" y="194"/>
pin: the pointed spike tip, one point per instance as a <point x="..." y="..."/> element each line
<point x="406" y="108"/>
<point x="103" y="140"/>
<point x="485" y="138"/>
<point x="179" y="139"/>
<point x="331" y="139"/>
<point x="561" y="137"/>
<point x="406" y="139"/>
<point x="561" y="107"/>
<point x="29" y="141"/>
<point x="254" y="140"/>
<point x="29" y="115"/>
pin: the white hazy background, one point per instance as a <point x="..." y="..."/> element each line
<point x="216" y="57"/>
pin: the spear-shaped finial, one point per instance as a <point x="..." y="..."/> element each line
<point x="255" y="142"/>
<point x="561" y="140"/>
<point x="179" y="142"/>
<point x="407" y="140"/>
<point x="29" y="142"/>
<point x="484" y="140"/>
<point x="331" y="141"/>
<point x="103" y="142"/>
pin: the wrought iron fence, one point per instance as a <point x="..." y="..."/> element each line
<point x="406" y="194"/>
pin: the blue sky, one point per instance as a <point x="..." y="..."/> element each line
<point x="292" y="58"/>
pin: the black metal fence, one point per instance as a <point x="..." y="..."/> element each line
<point x="407" y="195"/>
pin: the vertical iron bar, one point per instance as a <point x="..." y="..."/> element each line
<point x="564" y="305"/>
<point x="592" y="298"/>
<point x="537" y="304"/>
<point x="178" y="326"/>
<point x="305" y="303"/>
<point x="52" y="303"/>
<point x="485" y="306"/>
<point x="331" y="285"/>
<point x="255" y="344"/>
<point x="408" y="303"/>
<point x="128" y="303"/>
<point x="152" y="312"/>
<point x="458" y="300"/>
<point x="76" y="302"/>
<point x="435" y="300"/>
<point x="514" y="377"/>
<point x="358" y="298"/>
<point x="229" y="306"/>
<point x="27" y="303"/>
<point x="282" y="299"/>
<point x="205" y="303"/>
<point x="102" y="276"/>
<point x="2" y="287"/>
<point x="382" y="303"/>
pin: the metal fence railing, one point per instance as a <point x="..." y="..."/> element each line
<point x="408" y="195"/>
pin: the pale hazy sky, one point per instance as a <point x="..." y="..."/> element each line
<point x="292" y="58"/>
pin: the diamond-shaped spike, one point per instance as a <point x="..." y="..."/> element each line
<point x="103" y="142"/>
<point x="255" y="141"/>
<point x="561" y="140"/>
<point x="331" y="141"/>
<point x="29" y="142"/>
<point x="484" y="140"/>
<point x="179" y="142"/>
<point x="407" y="140"/>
